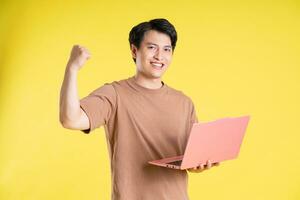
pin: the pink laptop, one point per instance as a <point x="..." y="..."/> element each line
<point x="216" y="141"/>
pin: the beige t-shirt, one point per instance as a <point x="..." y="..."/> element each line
<point x="142" y="124"/>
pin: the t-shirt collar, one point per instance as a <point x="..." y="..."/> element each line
<point x="133" y="82"/>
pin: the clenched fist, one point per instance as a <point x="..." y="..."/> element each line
<point x="79" y="55"/>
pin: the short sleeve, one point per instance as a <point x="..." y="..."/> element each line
<point x="99" y="106"/>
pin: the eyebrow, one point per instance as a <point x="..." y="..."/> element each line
<point x="157" y="45"/>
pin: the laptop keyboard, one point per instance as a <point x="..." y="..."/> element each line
<point x="177" y="162"/>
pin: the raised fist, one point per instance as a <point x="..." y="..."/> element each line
<point x="79" y="55"/>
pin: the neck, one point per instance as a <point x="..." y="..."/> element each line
<point x="150" y="83"/>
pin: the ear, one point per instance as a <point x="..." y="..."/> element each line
<point x="133" y="50"/>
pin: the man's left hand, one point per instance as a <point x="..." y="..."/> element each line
<point x="203" y="167"/>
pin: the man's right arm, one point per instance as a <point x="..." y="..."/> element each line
<point x="71" y="115"/>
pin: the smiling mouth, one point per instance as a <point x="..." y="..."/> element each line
<point x="157" y="65"/>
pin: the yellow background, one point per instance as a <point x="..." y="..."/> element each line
<point x="232" y="58"/>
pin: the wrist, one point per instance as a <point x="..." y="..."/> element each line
<point x="71" y="68"/>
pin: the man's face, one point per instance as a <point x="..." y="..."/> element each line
<point x="154" y="55"/>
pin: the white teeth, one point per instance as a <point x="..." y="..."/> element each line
<point x="157" y="65"/>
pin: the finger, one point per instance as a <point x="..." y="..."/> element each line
<point x="201" y="166"/>
<point x="208" y="166"/>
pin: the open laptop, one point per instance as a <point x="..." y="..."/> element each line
<point x="216" y="141"/>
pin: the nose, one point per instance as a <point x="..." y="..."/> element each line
<point x="158" y="55"/>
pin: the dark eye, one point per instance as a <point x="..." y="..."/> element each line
<point x="168" y="49"/>
<point x="150" y="47"/>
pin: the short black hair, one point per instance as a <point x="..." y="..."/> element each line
<point x="162" y="25"/>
